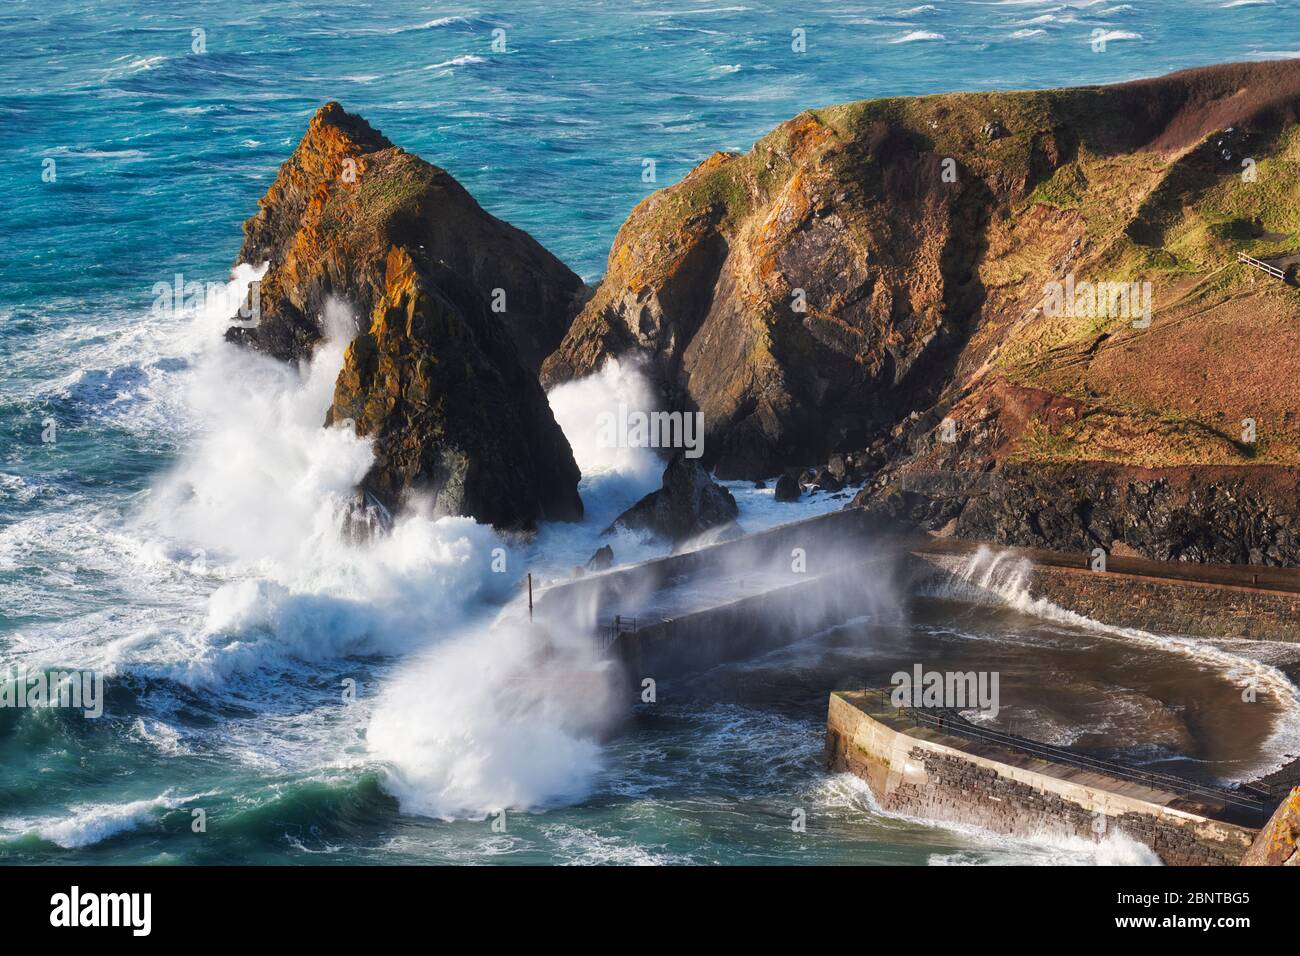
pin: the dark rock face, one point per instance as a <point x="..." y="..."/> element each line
<point x="787" y="294"/>
<point x="825" y="480"/>
<point x="688" y="504"/>
<point x="602" y="560"/>
<point x="970" y="486"/>
<point x="453" y="412"/>
<point x="1173" y="516"/>
<point x="454" y="310"/>
<point x="1219" y="515"/>
<point x="787" y="489"/>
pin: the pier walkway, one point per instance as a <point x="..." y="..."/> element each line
<point x="923" y="764"/>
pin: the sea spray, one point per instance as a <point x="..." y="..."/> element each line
<point x="266" y="481"/>
<point x="511" y="715"/>
<point x="249" y="520"/>
<point x="1115" y="848"/>
<point x="503" y="718"/>
<point x="613" y="478"/>
<point x="86" y="824"/>
<point x="609" y="468"/>
<point x="484" y="715"/>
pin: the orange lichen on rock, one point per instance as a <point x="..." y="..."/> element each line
<point x="1276" y="843"/>
<point x="896" y="251"/>
<point x="452" y="311"/>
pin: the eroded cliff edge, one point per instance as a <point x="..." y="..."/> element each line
<point x="453" y="312"/>
<point x="867" y="285"/>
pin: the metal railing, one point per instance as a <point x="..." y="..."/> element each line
<point x="1260" y="264"/>
<point x="1249" y="799"/>
<point x="608" y="633"/>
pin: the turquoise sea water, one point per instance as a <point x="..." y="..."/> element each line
<point x="175" y="535"/>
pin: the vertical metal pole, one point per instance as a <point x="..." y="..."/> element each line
<point x="530" y="596"/>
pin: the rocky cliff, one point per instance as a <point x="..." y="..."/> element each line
<point x="1021" y="316"/>
<point x="1276" y="844"/>
<point x="453" y="309"/>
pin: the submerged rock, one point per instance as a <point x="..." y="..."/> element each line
<point x="452" y="310"/>
<point x="787" y="489"/>
<point x="689" y="504"/>
<point x="825" y="480"/>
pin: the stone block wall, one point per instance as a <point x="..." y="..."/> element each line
<point x="925" y="779"/>
<point x="1167" y="606"/>
<point x="1171" y="608"/>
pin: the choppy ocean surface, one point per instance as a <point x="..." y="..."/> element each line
<point x="168" y="508"/>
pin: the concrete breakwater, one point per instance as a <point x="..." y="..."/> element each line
<point x="750" y="625"/>
<point x="686" y="612"/>
<point x="922" y="771"/>
<point x="685" y="581"/>
<point x="737" y="579"/>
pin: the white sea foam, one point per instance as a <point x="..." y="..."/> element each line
<point x="917" y="36"/>
<point x="91" y="823"/>
<point x="504" y="718"/>
<point x="1036" y="849"/>
<point x="428" y="24"/>
<point x="586" y="848"/>
<point x="159" y="735"/>
<point x="463" y="60"/>
<point x="247" y="525"/>
<point x="1110" y="36"/>
<point x="1114" y="849"/>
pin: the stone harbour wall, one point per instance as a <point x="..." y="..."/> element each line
<point x="1167" y="605"/>
<point x="1170" y="608"/>
<point x="929" y="780"/>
